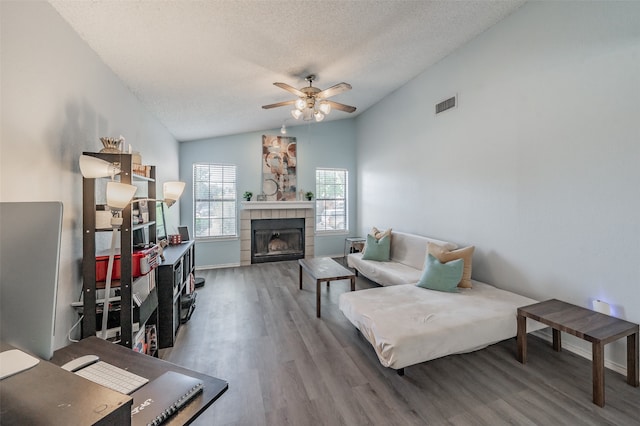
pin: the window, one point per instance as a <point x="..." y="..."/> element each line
<point x="331" y="200"/>
<point x="214" y="200"/>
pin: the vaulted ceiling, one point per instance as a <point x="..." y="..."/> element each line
<point x="205" y="68"/>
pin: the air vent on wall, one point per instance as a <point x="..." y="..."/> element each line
<point x="447" y="104"/>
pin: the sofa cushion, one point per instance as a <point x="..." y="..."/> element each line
<point x="441" y="276"/>
<point x="384" y="273"/>
<point x="411" y="249"/>
<point x="377" y="249"/>
<point x="379" y="234"/>
<point x="444" y="255"/>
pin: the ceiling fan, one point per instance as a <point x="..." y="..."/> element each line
<point x="312" y="102"/>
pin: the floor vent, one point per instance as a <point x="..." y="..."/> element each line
<point x="446" y="104"/>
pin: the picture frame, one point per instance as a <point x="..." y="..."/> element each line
<point x="279" y="168"/>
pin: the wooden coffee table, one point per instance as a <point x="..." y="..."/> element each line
<point x="594" y="327"/>
<point x="325" y="269"/>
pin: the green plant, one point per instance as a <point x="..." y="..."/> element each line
<point x="309" y="195"/>
<point x="247" y="195"/>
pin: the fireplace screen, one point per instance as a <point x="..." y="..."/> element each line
<point x="277" y="239"/>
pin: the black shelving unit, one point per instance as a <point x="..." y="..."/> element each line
<point x="147" y="312"/>
<point x="174" y="281"/>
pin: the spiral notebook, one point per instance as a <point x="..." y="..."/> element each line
<point x="159" y="399"/>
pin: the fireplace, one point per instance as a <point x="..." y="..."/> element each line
<point x="273" y="240"/>
<point x="256" y="210"/>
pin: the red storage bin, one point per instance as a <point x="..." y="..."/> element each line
<point x="142" y="263"/>
<point x="103" y="261"/>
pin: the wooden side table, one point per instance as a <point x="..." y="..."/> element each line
<point x="353" y="243"/>
<point x="324" y="269"/>
<point x="594" y="327"/>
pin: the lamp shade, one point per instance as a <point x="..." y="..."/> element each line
<point x="295" y="113"/>
<point x="301" y="104"/>
<point x="119" y="195"/>
<point x="325" y="107"/>
<point x="172" y="191"/>
<point x="307" y="114"/>
<point x="92" y="167"/>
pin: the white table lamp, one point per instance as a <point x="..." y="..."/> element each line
<point x="119" y="196"/>
<point x="92" y="167"/>
<point x="172" y="191"/>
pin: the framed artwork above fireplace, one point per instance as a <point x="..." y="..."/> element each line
<point x="279" y="165"/>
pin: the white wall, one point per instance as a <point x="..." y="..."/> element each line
<point x="537" y="167"/>
<point x="57" y="99"/>
<point x="328" y="144"/>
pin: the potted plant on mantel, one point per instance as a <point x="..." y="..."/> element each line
<point x="309" y="195"/>
<point x="247" y="195"/>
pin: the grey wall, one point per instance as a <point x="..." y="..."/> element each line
<point x="57" y="99"/>
<point x="330" y="144"/>
<point x="537" y="167"/>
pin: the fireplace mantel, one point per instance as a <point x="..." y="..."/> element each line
<point x="272" y="205"/>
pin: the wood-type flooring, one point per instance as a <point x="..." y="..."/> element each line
<point x="253" y="327"/>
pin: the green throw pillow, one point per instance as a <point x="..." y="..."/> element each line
<point x="377" y="249"/>
<point x="441" y="276"/>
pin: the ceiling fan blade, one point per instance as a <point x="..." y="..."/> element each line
<point x="279" y="104"/>
<point x="341" y="107"/>
<point x="333" y="90"/>
<point x="291" y="89"/>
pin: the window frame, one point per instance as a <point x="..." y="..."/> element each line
<point x="321" y="201"/>
<point x="229" y="196"/>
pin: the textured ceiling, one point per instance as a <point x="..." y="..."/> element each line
<point x="205" y="68"/>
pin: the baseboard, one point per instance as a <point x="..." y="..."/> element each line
<point x="546" y="335"/>
<point x="233" y="265"/>
<point x="205" y="267"/>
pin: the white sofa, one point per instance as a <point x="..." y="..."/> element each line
<point x="407" y="324"/>
<point x="408" y="252"/>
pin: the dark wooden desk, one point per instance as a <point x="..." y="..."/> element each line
<point x="325" y="269"/>
<point x="594" y="327"/>
<point x="148" y="367"/>
<point x="49" y="395"/>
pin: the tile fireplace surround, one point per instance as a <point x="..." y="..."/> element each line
<point x="275" y="210"/>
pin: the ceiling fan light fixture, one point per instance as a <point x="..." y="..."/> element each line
<point x="310" y="102"/>
<point x="301" y="104"/>
<point x="307" y="114"/>
<point x="325" y="107"/>
<point x="283" y="129"/>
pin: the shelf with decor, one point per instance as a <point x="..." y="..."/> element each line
<point x="133" y="276"/>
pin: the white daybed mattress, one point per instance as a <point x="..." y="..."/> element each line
<point x="408" y="325"/>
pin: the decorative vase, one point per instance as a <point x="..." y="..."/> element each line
<point x="111" y="145"/>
